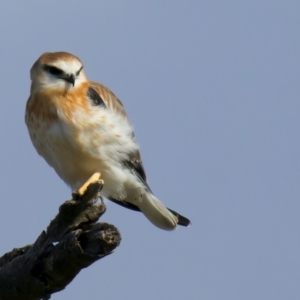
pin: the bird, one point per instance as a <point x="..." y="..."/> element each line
<point x="80" y="127"/>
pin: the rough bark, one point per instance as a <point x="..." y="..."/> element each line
<point x="73" y="241"/>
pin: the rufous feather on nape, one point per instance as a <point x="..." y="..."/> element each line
<point x="80" y="127"/>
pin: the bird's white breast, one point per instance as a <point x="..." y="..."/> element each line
<point x="76" y="146"/>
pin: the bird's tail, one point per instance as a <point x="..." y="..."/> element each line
<point x="183" y="221"/>
<point x="159" y="215"/>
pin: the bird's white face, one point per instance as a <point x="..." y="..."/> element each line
<point x="58" y="72"/>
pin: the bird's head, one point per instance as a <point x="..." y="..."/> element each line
<point x="57" y="70"/>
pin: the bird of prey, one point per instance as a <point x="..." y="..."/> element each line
<point x="80" y="127"/>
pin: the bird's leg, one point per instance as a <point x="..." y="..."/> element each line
<point x="95" y="178"/>
<point x="98" y="197"/>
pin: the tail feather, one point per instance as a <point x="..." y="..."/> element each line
<point x="156" y="212"/>
<point x="149" y="205"/>
<point x="183" y="221"/>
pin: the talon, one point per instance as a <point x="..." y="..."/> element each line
<point x="94" y="178"/>
<point x="76" y="196"/>
<point x="97" y="198"/>
<point x="101" y="199"/>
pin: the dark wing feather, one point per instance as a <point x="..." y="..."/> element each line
<point x="110" y="100"/>
<point x="95" y="97"/>
<point x="136" y="167"/>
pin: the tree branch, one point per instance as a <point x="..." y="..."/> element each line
<point x="73" y="241"/>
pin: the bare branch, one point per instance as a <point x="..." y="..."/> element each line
<point x="73" y="241"/>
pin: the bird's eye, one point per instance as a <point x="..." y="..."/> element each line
<point x="53" y="70"/>
<point x="78" y="73"/>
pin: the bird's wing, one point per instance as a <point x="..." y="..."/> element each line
<point x="103" y="96"/>
<point x="110" y="100"/>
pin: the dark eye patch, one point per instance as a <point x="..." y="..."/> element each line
<point x="95" y="97"/>
<point x="77" y="74"/>
<point x="53" y="70"/>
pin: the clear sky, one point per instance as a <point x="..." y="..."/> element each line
<point x="212" y="89"/>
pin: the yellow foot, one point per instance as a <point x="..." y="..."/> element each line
<point x="94" y="179"/>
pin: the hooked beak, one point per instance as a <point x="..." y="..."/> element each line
<point x="70" y="78"/>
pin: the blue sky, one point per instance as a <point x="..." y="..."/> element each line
<point x="212" y="89"/>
